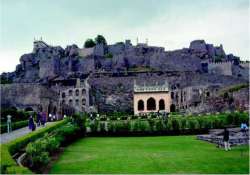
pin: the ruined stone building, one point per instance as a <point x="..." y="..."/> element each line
<point x="101" y="78"/>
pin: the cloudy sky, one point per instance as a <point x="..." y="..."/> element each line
<point x="169" y="23"/>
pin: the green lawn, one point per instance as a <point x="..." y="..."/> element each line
<point x="165" y="154"/>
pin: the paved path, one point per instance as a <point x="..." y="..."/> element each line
<point x="7" y="137"/>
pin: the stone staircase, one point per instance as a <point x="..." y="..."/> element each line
<point x="216" y="136"/>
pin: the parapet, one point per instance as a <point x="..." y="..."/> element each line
<point x="151" y="88"/>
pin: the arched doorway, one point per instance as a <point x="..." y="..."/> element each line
<point x="54" y="110"/>
<point x="151" y="105"/>
<point x="172" y="108"/>
<point x="29" y="109"/>
<point x="161" y="105"/>
<point x="50" y="108"/>
<point x="140" y="105"/>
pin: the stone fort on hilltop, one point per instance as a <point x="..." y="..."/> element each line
<point x="101" y="78"/>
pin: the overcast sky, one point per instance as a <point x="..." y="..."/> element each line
<point x="169" y="23"/>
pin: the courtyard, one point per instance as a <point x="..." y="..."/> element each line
<point x="161" y="154"/>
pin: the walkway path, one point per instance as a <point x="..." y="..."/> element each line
<point x="7" y="137"/>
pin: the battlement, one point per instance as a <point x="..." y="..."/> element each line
<point x="245" y="64"/>
<point x="220" y="63"/>
<point x="151" y="88"/>
<point x="223" y="68"/>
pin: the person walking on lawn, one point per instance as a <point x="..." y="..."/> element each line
<point x="226" y="139"/>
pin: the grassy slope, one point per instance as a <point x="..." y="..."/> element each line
<point x="179" y="154"/>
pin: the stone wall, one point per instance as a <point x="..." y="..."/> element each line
<point x="223" y="68"/>
<point x="29" y="95"/>
<point x="116" y="92"/>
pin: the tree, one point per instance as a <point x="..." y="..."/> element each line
<point x="89" y="43"/>
<point x="100" y="40"/>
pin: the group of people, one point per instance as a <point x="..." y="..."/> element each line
<point x="40" y="121"/>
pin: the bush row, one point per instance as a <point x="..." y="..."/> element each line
<point x="8" y="165"/>
<point x="16" y="115"/>
<point x="171" y="125"/>
<point x="14" y="125"/>
<point x="39" y="151"/>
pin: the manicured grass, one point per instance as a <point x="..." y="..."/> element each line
<point x="165" y="154"/>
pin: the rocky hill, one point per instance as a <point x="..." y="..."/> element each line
<point x="196" y="74"/>
<point x="48" y="62"/>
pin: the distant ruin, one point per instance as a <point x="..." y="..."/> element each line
<point x="195" y="76"/>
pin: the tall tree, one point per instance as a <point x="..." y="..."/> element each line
<point x="89" y="43"/>
<point x="100" y="39"/>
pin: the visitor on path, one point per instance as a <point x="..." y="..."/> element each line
<point x="226" y="139"/>
<point x="9" y="123"/>
<point x="243" y="128"/>
<point x="32" y="125"/>
<point x="54" y="117"/>
<point x="38" y="119"/>
<point x="43" y="121"/>
<point x="50" y="118"/>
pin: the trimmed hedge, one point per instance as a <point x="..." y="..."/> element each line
<point x="14" y="126"/>
<point x="21" y="142"/>
<point x="8" y="165"/>
<point x="17" y="115"/>
<point x="167" y="126"/>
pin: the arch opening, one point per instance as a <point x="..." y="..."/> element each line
<point x="151" y="105"/>
<point x="29" y="109"/>
<point x="161" y="105"/>
<point x="140" y="105"/>
<point x="172" y="108"/>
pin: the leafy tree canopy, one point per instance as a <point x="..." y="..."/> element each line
<point x="100" y="39"/>
<point x="89" y="43"/>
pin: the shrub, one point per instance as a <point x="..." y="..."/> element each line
<point x="169" y="126"/>
<point x="21" y="142"/>
<point x="14" y="125"/>
<point x="217" y="123"/>
<point x="144" y="126"/>
<point x="80" y="121"/>
<point x="94" y="125"/>
<point x="159" y="125"/>
<point x="229" y="119"/>
<point x="37" y="153"/>
<point x="193" y="124"/>
<point x="122" y="126"/>
<point x="183" y="124"/>
<point x="176" y="124"/>
<point x="102" y="127"/>
<point x="52" y="143"/>
<point x="207" y="123"/>
<point x="152" y="124"/>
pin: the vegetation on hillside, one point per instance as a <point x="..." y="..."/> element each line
<point x="99" y="39"/>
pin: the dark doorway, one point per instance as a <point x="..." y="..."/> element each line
<point x="161" y="105"/>
<point x="140" y="105"/>
<point x="151" y="104"/>
<point x="54" y="110"/>
<point x="50" y="108"/>
<point x="172" y="108"/>
<point x="29" y="109"/>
